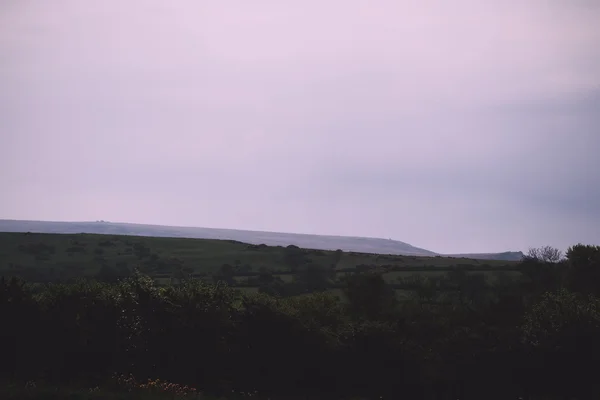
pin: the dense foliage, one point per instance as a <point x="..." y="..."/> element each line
<point x="455" y="338"/>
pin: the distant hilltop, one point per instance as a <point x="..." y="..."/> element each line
<point x="317" y="242"/>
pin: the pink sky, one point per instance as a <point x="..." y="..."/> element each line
<point x="453" y="126"/>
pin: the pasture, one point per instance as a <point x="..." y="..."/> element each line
<point x="59" y="257"/>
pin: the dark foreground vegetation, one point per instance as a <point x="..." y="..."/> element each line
<point x="455" y="337"/>
<point x="119" y="388"/>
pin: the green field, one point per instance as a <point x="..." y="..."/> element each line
<point x="50" y="257"/>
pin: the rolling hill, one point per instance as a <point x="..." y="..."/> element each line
<point x="318" y="242"/>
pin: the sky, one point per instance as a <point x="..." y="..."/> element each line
<point x="456" y="126"/>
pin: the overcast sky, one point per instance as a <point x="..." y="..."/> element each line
<point x="457" y="126"/>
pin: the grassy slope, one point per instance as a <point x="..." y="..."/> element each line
<point x="86" y="253"/>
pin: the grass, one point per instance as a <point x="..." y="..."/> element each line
<point x="34" y="392"/>
<point x="71" y="255"/>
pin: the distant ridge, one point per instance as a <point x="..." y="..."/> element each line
<point x="505" y="256"/>
<point x="320" y="242"/>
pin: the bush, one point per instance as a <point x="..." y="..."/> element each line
<point x="562" y="332"/>
<point x="212" y="337"/>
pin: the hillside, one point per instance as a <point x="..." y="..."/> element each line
<point x="49" y="257"/>
<point x="317" y="242"/>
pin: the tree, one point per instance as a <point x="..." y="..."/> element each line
<point x="562" y="334"/>
<point x="294" y="257"/>
<point x="108" y="273"/>
<point x="337" y="257"/>
<point x="584" y="268"/>
<point x="426" y="288"/>
<point x="244" y="269"/>
<point x="583" y="255"/>
<point x="545" y="254"/>
<point x="368" y="295"/>
<point x="542" y="276"/>
<point x="176" y="267"/>
<point x="265" y="277"/>
<point x="472" y="288"/>
<point x="314" y="277"/>
<point x="225" y="273"/>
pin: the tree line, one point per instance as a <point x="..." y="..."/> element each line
<point x="539" y="336"/>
